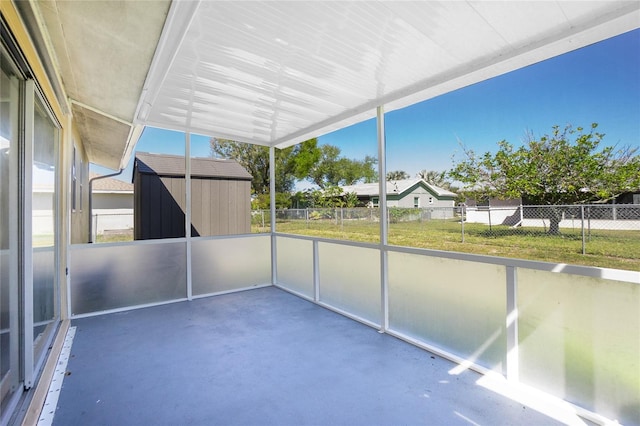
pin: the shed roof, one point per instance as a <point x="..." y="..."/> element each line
<point x="396" y="187"/>
<point x="174" y="165"/>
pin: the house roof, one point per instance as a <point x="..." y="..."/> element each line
<point x="279" y="72"/>
<point x="396" y="187"/>
<point x="173" y="165"/>
<point x="110" y="185"/>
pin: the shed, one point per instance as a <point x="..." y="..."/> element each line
<point x="221" y="197"/>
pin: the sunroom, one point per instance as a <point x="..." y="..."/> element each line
<point x="302" y="329"/>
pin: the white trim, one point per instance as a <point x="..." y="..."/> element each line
<point x="384" y="220"/>
<point x="272" y="211"/>
<point x="100" y="112"/>
<point x="235" y="290"/>
<point x="50" y="404"/>
<point x="179" y="18"/>
<point x="187" y="216"/>
<point x="26" y="237"/>
<point x="127" y="308"/>
<point x="348" y="315"/>
<point x="294" y="292"/>
<point x="512" y="358"/>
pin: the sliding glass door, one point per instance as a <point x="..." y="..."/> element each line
<point x="9" y="337"/>
<point x="29" y="241"/>
<point x="43" y="228"/>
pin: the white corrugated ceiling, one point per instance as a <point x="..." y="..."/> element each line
<point x="279" y="72"/>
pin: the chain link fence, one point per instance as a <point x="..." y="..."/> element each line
<point x="602" y="229"/>
<point x="112" y="226"/>
<point x="586" y="224"/>
<point x="556" y="232"/>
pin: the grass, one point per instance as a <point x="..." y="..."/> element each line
<point x="604" y="248"/>
<point x="115" y="237"/>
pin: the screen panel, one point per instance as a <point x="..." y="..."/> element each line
<point x="114" y="276"/>
<point x="226" y="264"/>
<point x="350" y="279"/>
<point x="456" y="305"/>
<point x="295" y="265"/>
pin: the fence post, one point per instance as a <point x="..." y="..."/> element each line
<point x="262" y="214"/>
<point x="584" y="251"/>
<point x="462" y="215"/>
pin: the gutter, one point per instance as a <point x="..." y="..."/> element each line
<point x="118" y="173"/>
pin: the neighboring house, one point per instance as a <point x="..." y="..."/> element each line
<point x="412" y="193"/>
<point x="220" y="192"/>
<point x="111" y="205"/>
<point x="111" y="194"/>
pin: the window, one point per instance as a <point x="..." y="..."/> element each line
<point x="375" y="201"/>
<point x="74" y="181"/>
<point x="80" y="189"/>
<point x="416" y="202"/>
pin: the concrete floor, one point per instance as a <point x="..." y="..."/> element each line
<point x="264" y="357"/>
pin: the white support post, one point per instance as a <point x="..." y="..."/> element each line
<point x="512" y="325"/>
<point x="272" y="208"/>
<point x="316" y="272"/>
<point x="187" y="215"/>
<point x="67" y="209"/>
<point x="384" y="229"/>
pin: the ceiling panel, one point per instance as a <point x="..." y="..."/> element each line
<point x="278" y="72"/>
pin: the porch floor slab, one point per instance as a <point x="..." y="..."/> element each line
<point x="264" y="357"/>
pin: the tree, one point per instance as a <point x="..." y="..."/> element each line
<point x="333" y="170"/>
<point x="291" y="163"/>
<point x="321" y="165"/>
<point x="565" y="167"/>
<point x="397" y="175"/>
<point x="433" y="177"/>
<point x="440" y="180"/>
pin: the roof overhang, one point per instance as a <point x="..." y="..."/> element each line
<point x="277" y="72"/>
<point x="100" y="53"/>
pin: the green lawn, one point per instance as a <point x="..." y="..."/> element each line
<point x="607" y="249"/>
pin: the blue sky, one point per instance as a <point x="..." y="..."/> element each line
<point x="599" y="83"/>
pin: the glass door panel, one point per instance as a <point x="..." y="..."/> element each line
<point x="9" y="104"/>
<point x="45" y="306"/>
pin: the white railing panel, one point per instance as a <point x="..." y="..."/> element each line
<point x="114" y="276"/>
<point x="295" y="265"/>
<point x="579" y="339"/>
<point x="455" y="305"/>
<point x="227" y="264"/>
<point x="350" y="279"/>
